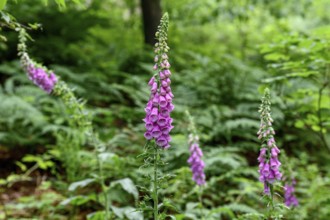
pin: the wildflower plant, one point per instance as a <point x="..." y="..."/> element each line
<point x="80" y="118"/>
<point x="195" y="161"/>
<point x="158" y="122"/>
<point x="289" y="196"/>
<point x="289" y="179"/>
<point x="269" y="164"/>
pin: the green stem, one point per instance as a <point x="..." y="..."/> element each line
<point x="319" y="114"/>
<point x="155" y="189"/>
<point x="100" y="170"/>
<point x="271" y="187"/>
<point x="104" y="189"/>
<point x="200" y="193"/>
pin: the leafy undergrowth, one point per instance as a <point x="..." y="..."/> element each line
<point x="223" y="54"/>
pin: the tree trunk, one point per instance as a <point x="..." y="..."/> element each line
<point x="151" y="12"/>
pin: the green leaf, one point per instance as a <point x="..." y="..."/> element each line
<point x="77" y="200"/>
<point x="222" y="210"/>
<point x="128" y="212"/>
<point x="99" y="215"/>
<point x="5" y="16"/>
<point x="128" y="185"/>
<point x="2" y="4"/>
<point x="276" y="57"/>
<point x="61" y="3"/>
<point x="106" y="156"/>
<point x="82" y="183"/>
<point x="241" y="208"/>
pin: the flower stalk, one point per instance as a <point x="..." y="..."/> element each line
<point x="268" y="158"/>
<point x="80" y="118"/>
<point x="195" y="160"/>
<point x="158" y="122"/>
<point x="155" y="180"/>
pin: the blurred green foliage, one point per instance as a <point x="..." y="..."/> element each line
<point x="223" y="53"/>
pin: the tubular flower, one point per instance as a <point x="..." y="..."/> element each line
<point x="158" y="121"/>
<point x="195" y="160"/>
<point x="290" y="199"/>
<point x="38" y="74"/>
<point x="41" y="78"/>
<point x="268" y="158"/>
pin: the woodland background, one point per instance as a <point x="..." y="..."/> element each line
<point x="223" y="54"/>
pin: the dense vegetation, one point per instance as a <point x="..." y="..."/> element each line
<point x="80" y="153"/>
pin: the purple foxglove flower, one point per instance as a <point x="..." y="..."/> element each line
<point x="274" y="152"/>
<point x="162" y="101"/>
<point x="290" y="199"/>
<point x="149" y="125"/>
<point x="155" y="100"/>
<point x="151" y="81"/>
<point x="166" y="129"/>
<point x="162" y="141"/>
<point x="268" y="157"/>
<point x="156" y="132"/>
<point x="162" y="121"/>
<point x="158" y="121"/>
<point x="170" y="106"/>
<point x="195" y="160"/>
<point x="168" y="98"/>
<point x="167" y="72"/>
<point x="164" y="112"/>
<point x="162" y="75"/>
<point x="163" y="91"/>
<point x="164" y="83"/>
<point x="148" y="135"/>
<point x="154" y="88"/>
<point x="153" y="114"/>
<point x="39" y="75"/>
<point x="266" y="189"/>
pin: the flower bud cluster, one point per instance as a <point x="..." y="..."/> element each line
<point x="268" y="157"/>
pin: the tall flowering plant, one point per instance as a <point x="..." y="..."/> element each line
<point x="158" y="121"/>
<point x="80" y="118"/>
<point x="268" y="158"/>
<point x="195" y="160"/>
<point x="289" y="196"/>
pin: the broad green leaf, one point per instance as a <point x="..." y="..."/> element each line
<point x="222" y="210"/>
<point x="82" y="183"/>
<point x="276" y="57"/>
<point x="128" y="185"/>
<point x="77" y="200"/>
<point x="106" y="156"/>
<point x="99" y="215"/>
<point x="128" y="212"/>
